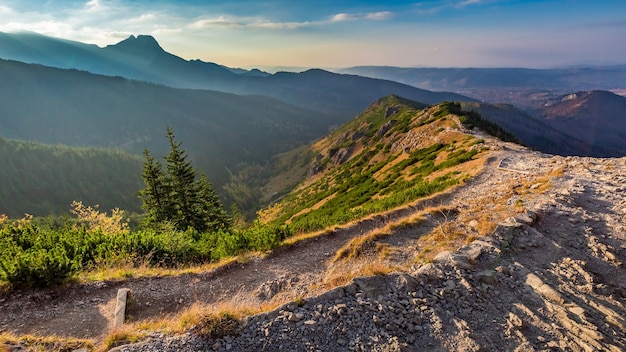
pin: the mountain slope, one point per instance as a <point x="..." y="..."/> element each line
<point x="42" y="179"/>
<point x="537" y="133"/>
<point x="219" y="130"/>
<point x="468" y="274"/>
<point x="142" y="58"/>
<point x="394" y="152"/>
<point x="137" y="57"/>
<point x="597" y="118"/>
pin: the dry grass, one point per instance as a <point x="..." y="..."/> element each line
<point x="145" y="270"/>
<point x="360" y="245"/>
<point x="314" y="207"/>
<point x="342" y="273"/>
<point x="410" y="221"/>
<point x="210" y="321"/>
<point x="305" y="236"/>
<point x="122" y="336"/>
<point x="10" y="342"/>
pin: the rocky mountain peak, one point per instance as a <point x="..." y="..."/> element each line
<point x="138" y="44"/>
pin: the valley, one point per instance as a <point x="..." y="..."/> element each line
<point x="355" y="209"/>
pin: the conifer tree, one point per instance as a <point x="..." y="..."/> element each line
<point x="182" y="187"/>
<point x="175" y="195"/>
<point x="211" y="208"/>
<point x="154" y="197"/>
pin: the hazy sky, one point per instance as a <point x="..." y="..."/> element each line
<point x="440" y="33"/>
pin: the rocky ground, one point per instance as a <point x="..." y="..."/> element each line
<point x="550" y="277"/>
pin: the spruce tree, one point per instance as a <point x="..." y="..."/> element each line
<point x="182" y="188"/>
<point x="211" y="208"/>
<point x="175" y="195"/>
<point x="154" y="197"/>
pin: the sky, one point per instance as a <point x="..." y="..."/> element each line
<point x="335" y="34"/>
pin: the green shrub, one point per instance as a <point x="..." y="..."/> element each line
<point x="34" y="255"/>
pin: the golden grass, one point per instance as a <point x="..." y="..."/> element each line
<point x="314" y="207"/>
<point x="380" y="174"/>
<point x="557" y="172"/>
<point x="409" y="221"/>
<point x="469" y="168"/>
<point x="209" y="321"/>
<point x="307" y="235"/>
<point x="129" y="271"/>
<point x="359" y="245"/>
<point x="342" y="273"/>
<point x="122" y="336"/>
<point x="10" y="342"/>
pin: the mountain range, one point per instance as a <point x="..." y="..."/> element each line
<point x="142" y="58"/>
<point x="219" y="130"/>
<point x="525" y="88"/>
<point x="569" y="78"/>
<point x="590" y="123"/>
<point x="243" y="128"/>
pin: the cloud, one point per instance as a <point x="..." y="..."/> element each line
<point x="245" y="22"/>
<point x="436" y="6"/>
<point x="342" y="17"/>
<point x="374" y="16"/>
<point x="258" y="22"/>
<point x="469" y="2"/>
<point x="379" y="16"/>
<point x="93" y="4"/>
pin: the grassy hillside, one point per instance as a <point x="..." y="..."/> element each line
<point x="393" y="153"/>
<point x="41" y="179"/>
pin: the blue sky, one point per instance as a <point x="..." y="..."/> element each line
<point x="434" y="33"/>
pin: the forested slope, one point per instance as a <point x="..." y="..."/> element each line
<point x="42" y="179"/>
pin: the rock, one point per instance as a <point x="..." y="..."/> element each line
<point x="537" y="284"/>
<point x="403" y="283"/>
<point x="527" y="217"/>
<point x="373" y="286"/>
<point x="296" y="317"/>
<point x="487" y="277"/>
<point x="511" y="222"/>
<point x="515" y="322"/>
<point x="453" y="259"/>
<point x="473" y="252"/>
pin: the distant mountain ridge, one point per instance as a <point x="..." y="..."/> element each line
<point x="585" y="123"/>
<point x="219" y="130"/>
<point x="598" y="118"/>
<point x="571" y="78"/>
<point x="142" y="58"/>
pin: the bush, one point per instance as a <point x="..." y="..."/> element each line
<point x="36" y="255"/>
